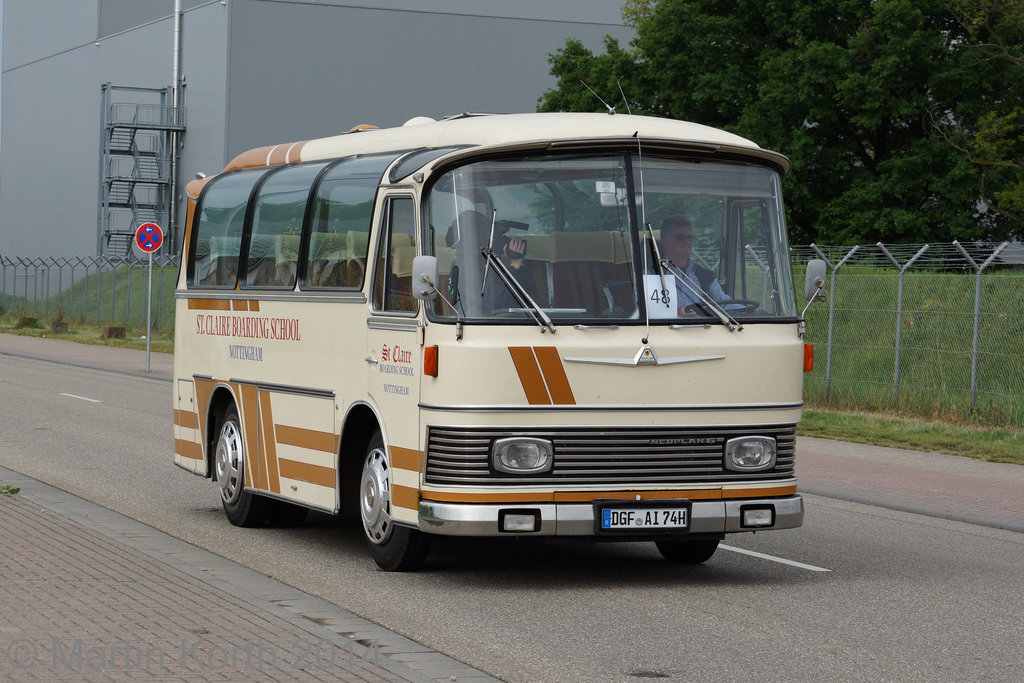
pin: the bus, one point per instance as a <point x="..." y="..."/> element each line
<point x="496" y="325"/>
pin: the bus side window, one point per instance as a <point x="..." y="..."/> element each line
<point x="278" y="211"/>
<point x="340" y="225"/>
<point x="217" y="238"/>
<point x="392" y="287"/>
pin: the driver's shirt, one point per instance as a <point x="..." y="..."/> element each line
<point x="684" y="297"/>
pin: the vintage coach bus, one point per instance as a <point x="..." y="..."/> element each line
<point x="573" y="325"/>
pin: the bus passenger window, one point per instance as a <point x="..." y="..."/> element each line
<point x="340" y="225"/>
<point x="392" y="288"/>
<point x="217" y="238"/>
<point x="278" y="210"/>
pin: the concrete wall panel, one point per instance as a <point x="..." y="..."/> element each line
<point x="35" y="29"/>
<point x="368" y="65"/>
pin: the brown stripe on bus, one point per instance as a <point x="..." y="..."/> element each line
<point x="187" y="449"/>
<point x="186" y="419"/>
<point x="269" y="444"/>
<point x="554" y="375"/>
<point x="306" y="438"/>
<point x="405" y="458"/>
<point x="447" y="497"/>
<point x="270" y="155"/>
<point x="405" y="497"/>
<point x="287" y="153"/>
<point x="204" y="392"/>
<point x="209" y="305"/>
<point x="766" y="492"/>
<point x="255" y="475"/>
<point x="529" y="375"/>
<point x="311" y="474"/>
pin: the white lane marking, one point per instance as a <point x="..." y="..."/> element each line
<point x="780" y="560"/>
<point x="82" y="398"/>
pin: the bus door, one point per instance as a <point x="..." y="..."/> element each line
<point x="394" y="354"/>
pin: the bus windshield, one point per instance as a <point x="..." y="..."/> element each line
<point x="609" y="238"/>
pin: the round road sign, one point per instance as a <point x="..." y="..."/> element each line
<point x="149" y="237"/>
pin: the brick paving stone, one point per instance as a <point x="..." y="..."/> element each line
<point x="80" y="606"/>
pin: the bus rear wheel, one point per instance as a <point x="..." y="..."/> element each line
<point x="394" y="547"/>
<point x="687" y="552"/>
<point x="241" y="507"/>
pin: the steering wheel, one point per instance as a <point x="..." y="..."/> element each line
<point x="731" y="306"/>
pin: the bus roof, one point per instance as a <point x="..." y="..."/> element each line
<point x="507" y="131"/>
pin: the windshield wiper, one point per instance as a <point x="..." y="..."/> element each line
<point x="723" y="316"/>
<point x="658" y="263"/>
<point x="514" y="286"/>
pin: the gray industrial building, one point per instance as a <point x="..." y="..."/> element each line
<point x="90" y="118"/>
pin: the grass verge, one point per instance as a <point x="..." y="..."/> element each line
<point x="992" y="444"/>
<point x="87" y="333"/>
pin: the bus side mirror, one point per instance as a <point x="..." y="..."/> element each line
<point x="424" y="277"/>
<point x="814" y="283"/>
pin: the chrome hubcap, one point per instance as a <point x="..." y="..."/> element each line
<point x="375" y="497"/>
<point x="228" y="462"/>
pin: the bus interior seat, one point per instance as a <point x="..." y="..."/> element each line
<point x="286" y="257"/>
<point x="223" y="260"/>
<point x="260" y="263"/>
<point x="582" y="264"/>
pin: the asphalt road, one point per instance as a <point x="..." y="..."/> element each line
<point x="858" y="592"/>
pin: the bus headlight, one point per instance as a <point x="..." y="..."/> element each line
<point x="520" y="455"/>
<point x="750" y="453"/>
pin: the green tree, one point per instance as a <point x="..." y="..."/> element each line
<point x="848" y="89"/>
<point x="994" y="141"/>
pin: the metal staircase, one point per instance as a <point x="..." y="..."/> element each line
<point x="136" y="169"/>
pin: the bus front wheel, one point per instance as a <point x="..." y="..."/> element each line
<point x="241" y="507"/>
<point x="394" y="547"/>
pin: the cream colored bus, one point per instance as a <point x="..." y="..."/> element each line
<point x="574" y="325"/>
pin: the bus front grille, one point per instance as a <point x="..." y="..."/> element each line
<point x="605" y="456"/>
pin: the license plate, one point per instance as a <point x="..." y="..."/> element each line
<point x="644" y="518"/>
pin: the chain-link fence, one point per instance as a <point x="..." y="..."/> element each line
<point x="933" y="330"/>
<point x="89" y="289"/>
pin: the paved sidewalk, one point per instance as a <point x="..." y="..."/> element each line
<point x="934" y="484"/>
<point x="128" y="361"/>
<point x="90" y="595"/>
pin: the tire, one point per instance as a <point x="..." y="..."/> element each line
<point x="394" y="548"/>
<point x="687" y="552"/>
<point x="241" y="507"/>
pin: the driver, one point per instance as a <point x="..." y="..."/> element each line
<point x="676" y="246"/>
<point x="510" y="249"/>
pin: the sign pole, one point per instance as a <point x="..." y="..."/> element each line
<point x="148" y="238"/>
<point x="149" y="310"/>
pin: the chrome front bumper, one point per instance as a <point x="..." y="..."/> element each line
<point x="577" y="519"/>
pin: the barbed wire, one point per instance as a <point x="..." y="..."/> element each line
<point x="933" y="256"/>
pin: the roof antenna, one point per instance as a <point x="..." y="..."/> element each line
<point x="644" y="225"/>
<point x="624" y="100"/>
<point x="611" y="109"/>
